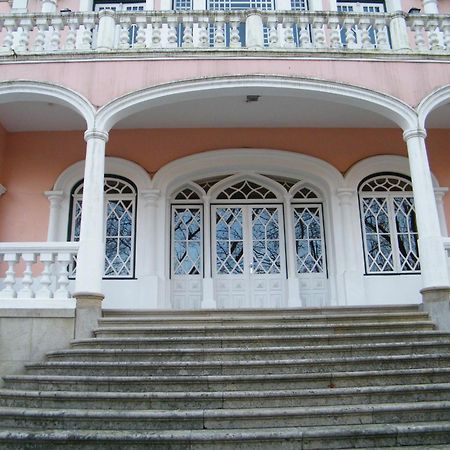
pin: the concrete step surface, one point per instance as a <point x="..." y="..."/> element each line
<point x="352" y="377"/>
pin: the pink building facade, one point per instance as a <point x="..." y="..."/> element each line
<point x="206" y="155"/>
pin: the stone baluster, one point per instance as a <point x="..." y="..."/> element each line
<point x="172" y="23"/>
<point x="445" y="26"/>
<point x="319" y="35"/>
<point x="188" y="40"/>
<point x="433" y="36"/>
<point x="203" y="36"/>
<point x="42" y="27"/>
<point x="141" y="35"/>
<point x="44" y="291"/>
<point x="106" y="30"/>
<point x="219" y="35"/>
<point x="55" y="39"/>
<point x="235" y="40"/>
<point x="11" y="26"/>
<point x="418" y="27"/>
<point x="364" y="24"/>
<point x="73" y="24"/>
<point x="272" y="24"/>
<point x="289" y="41"/>
<point x="335" y="32"/>
<point x="156" y="32"/>
<point x="381" y="33"/>
<point x="86" y="37"/>
<point x="24" y="36"/>
<point x="124" y="36"/>
<point x="27" y="281"/>
<point x="349" y="33"/>
<point x="62" y="283"/>
<point x="9" y="282"/>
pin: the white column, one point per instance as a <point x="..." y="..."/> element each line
<point x="55" y="198"/>
<point x="315" y="5"/>
<point x="19" y="6"/>
<point x="91" y="255"/>
<point x="208" y="300"/>
<point x="430" y="7"/>
<point x="440" y="193"/>
<point x="166" y="5"/>
<point x="199" y="5"/>
<point x="399" y="32"/>
<point x="48" y="6"/>
<point x="86" y="5"/>
<point x="348" y="264"/>
<point x="284" y="5"/>
<point x="433" y="259"/>
<point x="106" y="30"/>
<point x="254" y="36"/>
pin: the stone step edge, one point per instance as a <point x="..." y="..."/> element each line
<point x="227" y="413"/>
<point x="170" y="395"/>
<point x="229" y="435"/>
<point x="246" y="363"/>
<point x="231" y="377"/>
<point x="416" y="345"/>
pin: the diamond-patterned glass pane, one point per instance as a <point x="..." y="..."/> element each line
<point x="378" y="235"/>
<point x="229" y="241"/>
<point x="246" y="190"/>
<point x="187" y="241"/>
<point x="266" y="241"/>
<point x="386" y="184"/>
<point x="308" y="239"/>
<point x="405" y="220"/>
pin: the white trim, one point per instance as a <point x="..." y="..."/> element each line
<point x="171" y="93"/>
<point x="431" y="102"/>
<point x="12" y="91"/>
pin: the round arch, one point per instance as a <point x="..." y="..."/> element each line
<point x="431" y="102"/>
<point x="393" y="109"/>
<point x="11" y="91"/>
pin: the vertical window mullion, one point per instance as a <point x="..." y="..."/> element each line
<point x="394" y="233"/>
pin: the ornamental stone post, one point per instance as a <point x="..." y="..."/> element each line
<point x="48" y="6"/>
<point x="106" y="30"/>
<point x="254" y="36"/>
<point x="91" y="254"/>
<point x="430" y="7"/>
<point x="433" y="258"/>
<point x="55" y="198"/>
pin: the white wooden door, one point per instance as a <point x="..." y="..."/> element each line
<point x="248" y="256"/>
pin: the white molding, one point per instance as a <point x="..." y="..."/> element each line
<point x="431" y="102"/>
<point x="13" y="91"/>
<point x="2" y="190"/>
<point x="171" y="93"/>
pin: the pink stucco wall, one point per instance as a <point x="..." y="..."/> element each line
<point x="33" y="161"/>
<point x="103" y="81"/>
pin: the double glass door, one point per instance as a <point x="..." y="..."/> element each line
<point x="248" y="255"/>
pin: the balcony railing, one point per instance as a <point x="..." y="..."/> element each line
<point x="150" y="31"/>
<point x="36" y="269"/>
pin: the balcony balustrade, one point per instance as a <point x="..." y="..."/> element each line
<point x="206" y="31"/>
<point x="36" y="270"/>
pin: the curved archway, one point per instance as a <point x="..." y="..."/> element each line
<point x="381" y="104"/>
<point x="12" y="91"/>
<point x="430" y="103"/>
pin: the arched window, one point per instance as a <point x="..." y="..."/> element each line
<point x="120" y="224"/>
<point x="389" y="224"/>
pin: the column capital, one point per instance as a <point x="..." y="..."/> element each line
<point x="2" y="190"/>
<point x="440" y="193"/>
<point x="96" y="134"/>
<point x="150" y="196"/>
<point x="414" y="133"/>
<point x="54" y="197"/>
<point x="345" y="195"/>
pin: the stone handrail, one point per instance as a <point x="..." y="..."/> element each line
<point x="37" y="269"/>
<point x="109" y="31"/>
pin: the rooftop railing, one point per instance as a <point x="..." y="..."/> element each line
<point x="155" y="31"/>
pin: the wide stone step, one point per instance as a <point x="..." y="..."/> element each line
<point x="266" y="381"/>
<point x="255" y="354"/>
<point x="199" y="419"/>
<point x="248" y="330"/>
<point x="242" y="319"/>
<point x="225" y="399"/>
<point x="426" y="435"/>
<point x="266" y="340"/>
<point x="240" y="367"/>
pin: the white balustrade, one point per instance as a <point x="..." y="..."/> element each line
<point x="37" y="269"/>
<point x="296" y="31"/>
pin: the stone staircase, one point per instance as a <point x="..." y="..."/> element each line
<point x="239" y="379"/>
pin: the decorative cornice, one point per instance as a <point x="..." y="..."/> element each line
<point x="414" y="133"/>
<point x="96" y="134"/>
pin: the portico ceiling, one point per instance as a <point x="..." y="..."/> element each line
<point x="221" y="111"/>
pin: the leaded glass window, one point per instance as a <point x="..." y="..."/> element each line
<point x="246" y="190"/>
<point x="187" y="246"/>
<point x="120" y="220"/>
<point x="389" y="225"/>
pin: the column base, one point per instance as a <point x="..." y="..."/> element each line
<point x="436" y="302"/>
<point x="88" y="311"/>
